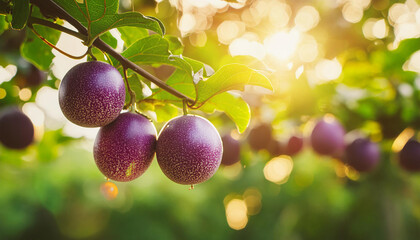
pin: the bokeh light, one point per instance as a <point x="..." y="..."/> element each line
<point x="306" y="18"/>
<point x="402" y="139"/>
<point x="25" y="94"/>
<point x="278" y="169"/>
<point x="282" y="45"/>
<point x="236" y="214"/>
<point x="109" y="190"/>
<point x="327" y="70"/>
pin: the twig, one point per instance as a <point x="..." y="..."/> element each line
<point x="61" y="13"/>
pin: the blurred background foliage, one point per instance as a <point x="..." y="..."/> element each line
<point x="356" y="59"/>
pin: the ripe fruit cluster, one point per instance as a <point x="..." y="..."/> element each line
<point x="189" y="148"/>
<point x="328" y="138"/>
<point x="260" y="137"/>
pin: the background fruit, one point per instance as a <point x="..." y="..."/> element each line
<point x="260" y="136"/>
<point x="92" y="94"/>
<point x="362" y="154"/>
<point x="409" y="156"/>
<point x="231" y="150"/>
<point x="327" y="137"/>
<point x="16" y="129"/>
<point x="275" y="148"/>
<point x="30" y="76"/>
<point x="189" y="149"/>
<point x="294" y="145"/>
<point x="125" y="148"/>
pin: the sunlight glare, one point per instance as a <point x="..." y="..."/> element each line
<point x="380" y="29"/>
<point x="227" y="31"/>
<point x="327" y="70"/>
<point x="402" y="139"/>
<point x="243" y="46"/>
<point x="352" y="13"/>
<point x="306" y="18"/>
<point x="282" y="45"/>
<point x="186" y="23"/>
<point x="279" y="14"/>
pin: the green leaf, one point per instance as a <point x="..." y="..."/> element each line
<point x="164" y="112"/>
<point x="155" y="50"/>
<point x="36" y="51"/>
<point x="175" y="45"/>
<point x="199" y="66"/>
<point x="109" y="39"/>
<point x="20" y="13"/>
<point x="132" y="34"/>
<point x="229" y="77"/>
<point x="234" y="106"/>
<point x="136" y="86"/>
<point x="4" y="25"/>
<point x="180" y="81"/>
<point x="99" y="16"/>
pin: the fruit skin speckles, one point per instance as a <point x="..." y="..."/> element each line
<point x="189" y="149"/>
<point x="16" y="129"/>
<point x="124" y="149"/>
<point x="92" y="94"/>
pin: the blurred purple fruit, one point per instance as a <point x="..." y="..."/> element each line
<point x="259" y="137"/>
<point x="327" y="137"/>
<point x="409" y="156"/>
<point x="16" y="129"/>
<point x="362" y="154"/>
<point x="294" y="145"/>
<point x="231" y="150"/>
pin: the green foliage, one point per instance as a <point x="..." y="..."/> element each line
<point x="131" y="35"/>
<point x="3" y="24"/>
<point x="100" y="16"/>
<point x="20" y="14"/>
<point x="154" y="50"/>
<point x="229" y="77"/>
<point x="36" y="51"/>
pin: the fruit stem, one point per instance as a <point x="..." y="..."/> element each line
<point x="61" y="13"/>
<point x="184" y="107"/>
<point x="131" y="92"/>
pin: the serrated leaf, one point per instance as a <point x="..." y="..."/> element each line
<point x="155" y="50"/>
<point x="36" y="51"/>
<point x="20" y="14"/>
<point x="229" y="77"/>
<point x="99" y="16"/>
<point x="132" y="34"/>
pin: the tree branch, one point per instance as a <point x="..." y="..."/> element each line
<point x="59" y="12"/>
